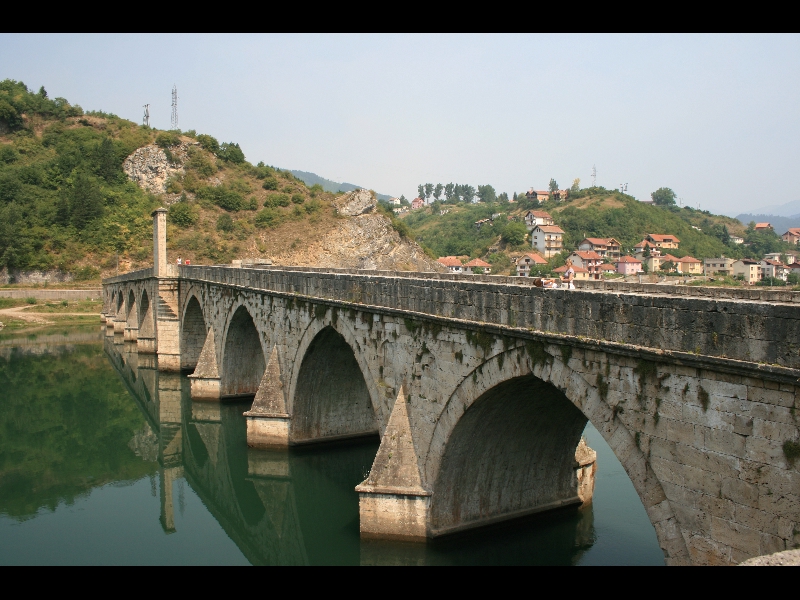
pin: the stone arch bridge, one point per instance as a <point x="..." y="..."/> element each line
<point x="480" y="387"/>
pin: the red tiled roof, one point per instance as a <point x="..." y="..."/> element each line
<point x="449" y="261"/>
<point x="687" y="259"/>
<point x="644" y="244"/>
<point x="628" y="259"/>
<point x="477" y="263"/>
<point x="763" y="225"/>
<point x="539" y="213"/>
<point x="774" y="263"/>
<point x="588" y="255"/>
<point x="534" y="258"/>
<point x="607" y="267"/>
<point x="575" y="268"/>
<point x="793" y="231"/>
<point x="550" y="228"/>
<point x="597" y="241"/>
<point x="658" y="237"/>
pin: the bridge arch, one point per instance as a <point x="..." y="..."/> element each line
<point x="332" y="393"/>
<point x="131" y="316"/>
<point x="243" y="356"/>
<point x="529" y="411"/>
<point x="146" y="325"/>
<point x="120" y="301"/>
<point x="193" y="333"/>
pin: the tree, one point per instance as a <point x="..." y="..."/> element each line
<point x="403" y="201"/>
<point x="553" y="186"/>
<point x="515" y="196"/>
<point x="421" y="191"/>
<point x="575" y="187"/>
<point x="107" y="160"/>
<point x="208" y="143"/>
<point x="486" y="193"/>
<point x="437" y="191"/>
<point x="428" y="190"/>
<point x="231" y="152"/>
<point x="449" y="191"/>
<point x="42" y="92"/>
<point x="502" y="198"/>
<point x="663" y="196"/>
<point x="86" y="202"/>
<point x="514" y="233"/>
<point x="467" y="193"/>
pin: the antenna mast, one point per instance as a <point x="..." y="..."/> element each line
<point x="146" y="118"/>
<point x="594" y="176"/>
<point x="174" y="120"/>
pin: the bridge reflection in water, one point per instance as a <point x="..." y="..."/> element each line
<point x="297" y="506"/>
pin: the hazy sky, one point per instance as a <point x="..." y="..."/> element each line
<point x="714" y="117"/>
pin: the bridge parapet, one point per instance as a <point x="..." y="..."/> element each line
<point x="695" y="325"/>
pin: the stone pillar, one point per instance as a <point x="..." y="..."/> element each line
<point x="267" y="420"/>
<point x="585" y="471"/>
<point x="167" y="475"/>
<point x="205" y="379"/>
<point x="168" y="325"/>
<point x="392" y="503"/>
<point x="159" y="242"/>
<point x="131" y="333"/>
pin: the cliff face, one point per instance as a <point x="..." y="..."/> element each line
<point x="150" y="168"/>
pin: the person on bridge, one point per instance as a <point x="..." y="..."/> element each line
<point x="568" y="276"/>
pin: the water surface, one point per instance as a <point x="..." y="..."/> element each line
<point x="104" y="460"/>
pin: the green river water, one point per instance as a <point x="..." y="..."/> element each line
<point x="103" y="460"/>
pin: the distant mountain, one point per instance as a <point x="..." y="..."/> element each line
<point x="331" y="186"/>
<point x="790" y="209"/>
<point x="779" y="224"/>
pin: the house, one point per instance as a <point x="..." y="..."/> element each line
<point x="547" y="239"/>
<point x="537" y="217"/>
<point x="452" y="263"/>
<point x="526" y="261"/>
<point x="482" y="222"/>
<point x="590" y="261"/>
<point x="606" y="247"/>
<point x="794" y="268"/>
<point x="478" y="264"/>
<point x="688" y="265"/>
<point x="749" y="270"/>
<point x="627" y="265"/>
<point x="645" y="247"/>
<point x="663" y="241"/>
<point x="762" y="226"/>
<point x="394" y="201"/>
<point x="774" y="268"/>
<point x="718" y="266"/>
<point x="735" y="239"/>
<point x="401" y="210"/>
<point x="608" y="268"/>
<point x="581" y="274"/>
<point x="792" y="236"/>
<point x="790" y="258"/>
<point x="539" y="195"/>
<point x="417" y="203"/>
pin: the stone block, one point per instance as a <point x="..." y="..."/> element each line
<point x="736" y="536"/>
<point x="740" y="492"/>
<point x="267" y="431"/>
<point x="725" y="442"/>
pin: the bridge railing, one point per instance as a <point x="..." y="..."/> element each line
<point x="132" y="276"/>
<point x="709" y="325"/>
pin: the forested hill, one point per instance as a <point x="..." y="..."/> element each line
<point x="592" y="212"/>
<point x="330" y="186"/>
<point x="77" y="190"/>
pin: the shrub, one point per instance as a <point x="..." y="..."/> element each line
<point x="85" y="273"/>
<point x="183" y="214"/>
<point x="222" y="196"/>
<point x="794" y="278"/>
<point x="287" y="189"/>
<point x="30" y="300"/>
<point x="253" y="205"/>
<point x="514" y="234"/>
<point x="270" y="183"/>
<point x="174" y="186"/>
<point x="208" y="143"/>
<point x="298" y="199"/>
<point x="771" y="281"/>
<point x="313" y="206"/>
<point x="8" y="154"/>
<point x="231" y="153"/>
<point x="166" y="139"/>
<point x="277" y="200"/>
<point x="200" y="163"/>
<point x="225" y="223"/>
<point x="268" y="217"/>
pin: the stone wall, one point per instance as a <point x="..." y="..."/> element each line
<point x="18" y="276"/>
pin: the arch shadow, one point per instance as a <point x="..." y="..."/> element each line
<point x="243" y="361"/>
<point x="193" y="334"/>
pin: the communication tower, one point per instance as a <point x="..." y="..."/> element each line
<point x="146" y="118"/>
<point x="594" y="175"/>
<point x="174" y="119"/>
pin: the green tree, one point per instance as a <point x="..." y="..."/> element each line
<point x="225" y="223"/>
<point x="86" y="202"/>
<point x="575" y="187"/>
<point x="514" y="233"/>
<point x="428" y="190"/>
<point x="553" y="186"/>
<point x="467" y="193"/>
<point x="486" y="193"/>
<point x="184" y="214"/>
<point x="502" y="198"/>
<point x="208" y="143"/>
<point x="403" y="201"/>
<point x="106" y="161"/>
<point x="663" y="196"/>
<point x="421" y="191"/>
<point x="231" y="153"/>
<point x="437" y="191"/>
<point x="448" y="191"/>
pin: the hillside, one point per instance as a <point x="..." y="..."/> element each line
<point x="594" y="212"/>
<point x="311" y="179"/>
<point x="77" y="190"/>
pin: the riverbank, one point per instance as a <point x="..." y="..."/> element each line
<point x="20" y="313"/>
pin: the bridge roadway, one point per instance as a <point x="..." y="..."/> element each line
<point x="480" y="387"/>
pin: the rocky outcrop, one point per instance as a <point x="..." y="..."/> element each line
<point x="150" y="168"/>
<point x="355" y="203"/>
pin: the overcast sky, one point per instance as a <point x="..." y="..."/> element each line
<point x="713" y="117"/>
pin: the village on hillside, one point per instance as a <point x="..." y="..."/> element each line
<point x="596" y="258"/>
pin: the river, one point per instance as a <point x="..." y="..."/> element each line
<point x="104" y="460"/>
